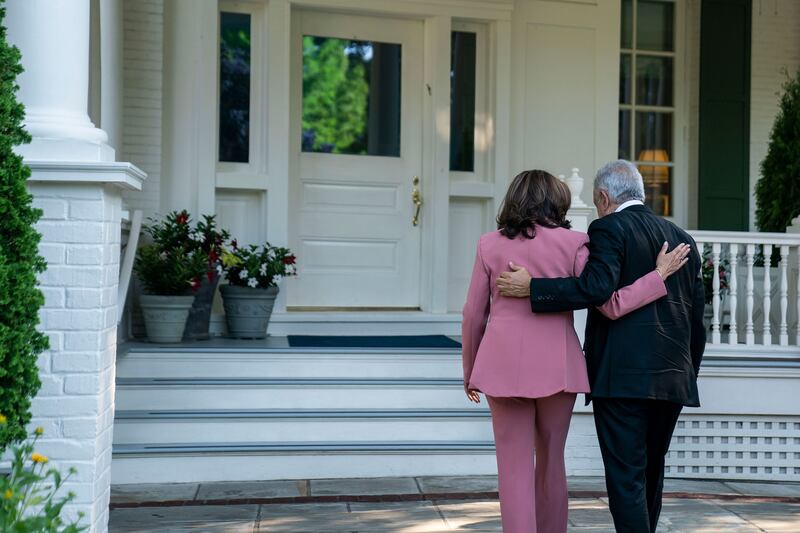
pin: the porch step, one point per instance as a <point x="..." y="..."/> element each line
<point x="312" y="426"/>
<point x="229" y="410"/>
<point x="288" y="393"/>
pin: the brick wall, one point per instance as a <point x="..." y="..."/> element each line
<point x="80" y="241"/>
<point x="143" y="23"/>
<point x="775" y="47"/>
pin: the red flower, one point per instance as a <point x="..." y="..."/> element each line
<point x="182" y="218"/>
<point x="210" y="275"/>
<point x="195" y="284"/>
<point x="289" y="260"/>
<point x="213" y="256"/>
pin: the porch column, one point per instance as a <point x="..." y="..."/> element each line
<point x="54" y="40"/>
<point x="78" y="186"/>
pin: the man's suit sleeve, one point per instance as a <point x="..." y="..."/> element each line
<point x="697" y="343"/>
<point x="596" y="283"/>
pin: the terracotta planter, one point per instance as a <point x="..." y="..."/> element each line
<point x="200" y="314"/>
<point x="165" y="316"/>
<point x="247" y="310"/>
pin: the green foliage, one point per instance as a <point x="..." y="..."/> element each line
<point x="778" y="190"/>
<point x="335" y="95"/>
<point x="180" y="253"/>
<point x="20" y="299"/>
<point x="28" y="502"/>
<point x="258" y="266"/>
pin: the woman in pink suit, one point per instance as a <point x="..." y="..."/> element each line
<point x="530" y="366"/>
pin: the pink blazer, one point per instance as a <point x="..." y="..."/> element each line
<point x="508" y="350"/>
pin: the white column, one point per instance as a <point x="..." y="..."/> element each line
<point x="53" y="37"/>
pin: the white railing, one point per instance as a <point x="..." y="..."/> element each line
<point x="754" y="279"/>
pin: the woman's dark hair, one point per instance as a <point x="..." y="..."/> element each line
<point x="535" y="197"/>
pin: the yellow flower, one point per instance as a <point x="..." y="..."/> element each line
<point x="39" y="431"/>
<point x="3" y="419"/>
<point x="8" y="495"/>
<point x="39" y="458"/>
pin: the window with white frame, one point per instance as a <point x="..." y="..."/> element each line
<point x="647" y="100"/>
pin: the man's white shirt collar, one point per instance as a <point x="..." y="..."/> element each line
<point x="628" y="204"/>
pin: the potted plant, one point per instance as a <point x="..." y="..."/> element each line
<point x="208" y="241"/>
<point x="253" y="274"/>
<point x="170" y="270"/>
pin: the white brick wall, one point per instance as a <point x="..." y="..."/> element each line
<point x="80" y="240"/>
<point x="775" y="47"/>
<point x="143" y="23"/>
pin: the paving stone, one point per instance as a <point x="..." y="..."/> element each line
<point x="252" y="489"/>
<point x="307" y="518"/>
<point x="586" y="483"/>
<point x="154" y="492"/>
<point x="591" y="512"/>
<point x="472" y="515"/>
<point x="699" y="516"/>
<point x="696" y="486"/>
<point x="189" y="518"/>
<point x="769" y="516"/>
<point x="363" y="486"/>
<point x="785" y="490"/>
<point x="442" y="484"/>
<point x="409" y="517"/>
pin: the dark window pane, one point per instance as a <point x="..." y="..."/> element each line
<point x="625" y="79"/>
<point x="462" y="101"/>
<point x="234" y="87"/>
<point x="655" y="25"/>
<point x="626" y="39"/>
<point x="653" y="80"/>
<point x="351" y="96"/>
<point x="653" y="132"/>
<point x="657" y="188"/>
<point x="624" y="151"/>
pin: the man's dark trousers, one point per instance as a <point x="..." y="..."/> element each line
<point x="634" y="437"/>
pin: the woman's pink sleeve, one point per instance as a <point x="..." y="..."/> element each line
<point x="645" y="290"/>
<point x="475" y="314"/>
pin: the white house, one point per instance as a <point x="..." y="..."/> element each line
<point x="219" y="107"/>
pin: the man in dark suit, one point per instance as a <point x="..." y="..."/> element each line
<point x="642" y="367"/>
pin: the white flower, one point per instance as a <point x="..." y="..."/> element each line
<point x="220" y="269"/>
<point x="263" y="269"/>
<point x="252" y="282"/>
<point x="244" y="274"/>
<point x="270" y="255"/>
<point x="197" y="236"/>
<point x="277" y="278"/>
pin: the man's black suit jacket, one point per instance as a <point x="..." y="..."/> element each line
<point x="655" y="351"/>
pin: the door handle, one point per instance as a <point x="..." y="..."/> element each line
<point x="416" y="199"/>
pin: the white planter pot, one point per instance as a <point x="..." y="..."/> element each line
<point x="165" y="316"/>
<point x="247" y="310"/>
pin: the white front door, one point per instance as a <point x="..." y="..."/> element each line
<point x="358" y="92"/>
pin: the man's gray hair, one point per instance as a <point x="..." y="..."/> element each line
<point x="621" y="180"/>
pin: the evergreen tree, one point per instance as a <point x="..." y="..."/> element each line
<point x="20" y="299"/>
<point x="778" y="190"/>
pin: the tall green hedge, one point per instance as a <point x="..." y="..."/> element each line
<point x="778" y="190"/>
<point x="20" y="299"/>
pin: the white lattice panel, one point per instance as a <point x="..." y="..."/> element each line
<point x="736" y="447"/>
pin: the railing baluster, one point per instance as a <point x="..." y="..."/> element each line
<point x="749" y="336"/>
<point x="783" y="332"/>
<point x="733" y="260"/>
<point x="715" y="329"/>
<point x="767" y="337"/>
<point x="797" y="299"/>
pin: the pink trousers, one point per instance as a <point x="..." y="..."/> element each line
<point x="529" y="435"/>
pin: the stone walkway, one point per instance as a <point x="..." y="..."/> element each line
<point x="431" y="504"/>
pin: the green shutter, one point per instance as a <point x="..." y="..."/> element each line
<point x="724" y="152"/>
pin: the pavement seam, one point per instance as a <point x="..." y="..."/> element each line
<point x="488" y="495"/>
<point x="733" y="512"/>
<point x="441" y="515"/>
<point x="257" y="525"/>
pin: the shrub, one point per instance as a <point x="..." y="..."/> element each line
<point x="778" y="189"/>
<point x="20" y="299"/>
